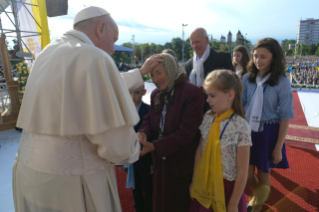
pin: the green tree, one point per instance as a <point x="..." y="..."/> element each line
<point x="317" y="52"/>
<point x="222" y="47"/>
<point x="146" y="50"/>
<point x="177" y="47"/>
<point x="159" y="48"/>
<point x="168" y="45"/>
<point x="153" y="49"/>
<point x="244" y="42"/>
<point x="304" y="49"/>
<point x="188" y="49"/>
<point x="286" y="46"/>
<point x="289" y="52"/>
<point x="123" y="56"/>
<point x="312" y="49"/>
<point x="214" y="45"/>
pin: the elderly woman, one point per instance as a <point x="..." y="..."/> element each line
<point x="170" y="131"/>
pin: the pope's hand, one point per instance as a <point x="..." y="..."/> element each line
<point x="146" y="147"/>
<point x="150" y="63"/>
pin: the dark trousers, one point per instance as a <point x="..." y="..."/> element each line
<point x="143" y="190"/>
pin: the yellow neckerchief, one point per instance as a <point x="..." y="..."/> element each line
<point x="208" y="184"/>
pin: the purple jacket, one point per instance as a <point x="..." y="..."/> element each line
<point x="181" y="133"/>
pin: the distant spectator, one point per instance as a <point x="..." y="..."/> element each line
<point x="240" y="60"/>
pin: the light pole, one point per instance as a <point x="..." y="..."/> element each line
<point x="296" y="47"/>
<point x="245" y="39"/>
<point x="142" y="54"/>
<point x="183" y="45"/>
<point x="133" y="43"/>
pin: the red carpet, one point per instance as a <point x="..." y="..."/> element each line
<point x="299" y="134"/>
<point x="292" y="190"/>
<point x="308" y="133"/>
<point x="126" y="196"/>
<point x="295" y="189"/>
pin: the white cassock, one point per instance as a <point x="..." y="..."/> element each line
<point x="77" y="117"/>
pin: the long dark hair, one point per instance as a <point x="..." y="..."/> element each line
<point x="225" y="80"/>
<point x="244" y="60"/>
<point x="278" y="64"/>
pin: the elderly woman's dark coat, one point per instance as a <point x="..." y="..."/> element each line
<point x="174" y="154"/>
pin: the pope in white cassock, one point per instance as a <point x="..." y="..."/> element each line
<point x="77" y="118"/>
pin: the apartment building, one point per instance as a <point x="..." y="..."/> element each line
<point x="308" y="31"/>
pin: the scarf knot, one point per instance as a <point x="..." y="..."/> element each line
<point x="254" y="111"/>
<point x="197" y="75"/>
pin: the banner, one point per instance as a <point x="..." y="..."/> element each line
<point x="33" y="21"/>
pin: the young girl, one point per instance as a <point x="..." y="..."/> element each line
<point x="268" y="102"/>
<point x="241" y="59"/>
<point x="222" y="157"/>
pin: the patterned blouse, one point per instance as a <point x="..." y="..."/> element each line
<point x="237" y="133"/>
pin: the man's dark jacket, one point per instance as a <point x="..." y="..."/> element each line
<point x="215" y="60"/>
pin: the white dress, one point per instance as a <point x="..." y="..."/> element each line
<point x="78" y="120"/>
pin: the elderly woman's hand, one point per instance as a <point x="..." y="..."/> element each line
<point x="146" y="147"/>
<point x="150" y="63"/>
<point x="142" y="136"/>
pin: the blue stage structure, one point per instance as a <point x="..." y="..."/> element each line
<point x="122" y="49"/>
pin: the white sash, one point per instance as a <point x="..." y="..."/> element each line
<point x="254" y="111"/>
<point x="197" y="75"/>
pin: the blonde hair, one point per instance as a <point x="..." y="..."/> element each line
<point x="226" y="80"/>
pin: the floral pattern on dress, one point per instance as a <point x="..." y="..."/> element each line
<point x="237" y="133"/>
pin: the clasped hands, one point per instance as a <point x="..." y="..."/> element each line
<point x="146" y="146"/>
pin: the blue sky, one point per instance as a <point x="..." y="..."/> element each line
<point x="158" y="21"/>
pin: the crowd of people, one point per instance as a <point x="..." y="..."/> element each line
<point x="304" y="70"/>
<point x="204" y="137"/>
<point x="123" y="67"/>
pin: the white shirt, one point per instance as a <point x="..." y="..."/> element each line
<point x="238" y="71"/>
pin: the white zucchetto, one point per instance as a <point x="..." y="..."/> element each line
<point x="88" y="13"/>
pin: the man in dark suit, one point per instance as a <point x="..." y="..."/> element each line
<point x="215" y="60"/>
<point x="205" y="59"/>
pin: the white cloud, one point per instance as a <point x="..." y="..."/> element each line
<point x="159" y="21"/>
